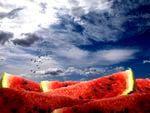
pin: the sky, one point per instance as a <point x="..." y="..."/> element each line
<point x="74" y="39"/>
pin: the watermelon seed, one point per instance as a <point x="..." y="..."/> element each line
<point x="75" y="109"/>
<point x="140" y="90"/>
<point x="41" y="111"/>
<point x="13" y="110"/>
<point x="111" y="78"/>
<point x="96" y="111"/>
<point x="49" y="110"/>
<point x="1" y="93"/>
<point x="28" y="89"/>
<point x="24" y="82"/>
<point x="94" y="89"/>
<point x="80" y="97"/>
<point x="65" y="85"/>
<point x="147" y="88"/>
<point x="126" y="110"/>
<point x="108" y="84"/>
<point x="29" y="112"/>
<point x="35" y="108"/>
<point x="109" y="88"/>
<point x="101" y="87"/>
<point x="5" y="100"/>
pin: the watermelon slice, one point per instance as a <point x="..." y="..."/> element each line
<point x="51" y="85"/>
<point x="120" y="83"/>
<point x="143" y="85"/>
<point x="20" y="101"/>
<point x="18" y="82"/>
<point x="137" y="103"/>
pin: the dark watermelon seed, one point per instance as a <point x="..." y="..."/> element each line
<point x="28" y="89"/>
<point x="101" y="87"/>
<point x="5" y="100"/>
<point x="49" y="110"/>
<point x="95" y="90"/>
<point x="42" y="111"/>
<point x="13" y="110"/>
<point x="80" y="97"/>
<point x="29" y="112"/>
<point x="75" y="109"/>
<point x="126" y="110"/>
<point x="96" y="111"/>
<point x="1" y="93"/>
<point x="111" y="78"/>
<point x="65" y="85"/>
<point x="112" y="112"/>
<point x="108" y="84"/>
<point x="109" y="88"/>
<point x="35" y="108"/>
<point x="147" y="88"/>
<point x="139" y="89"/>
<point x="24" y="82"/>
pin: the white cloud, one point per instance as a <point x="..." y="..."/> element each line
<point x="37" y="15"/>
<point x="72" y="53"/>
<point x="70" y="70"/>
<point x="19" y="62"/>
<point x="117" y="55"/>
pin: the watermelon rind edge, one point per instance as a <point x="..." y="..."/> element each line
<point x="43" y="85"/>
<point x="4" y="80"/>
<point x="131" y="82"/>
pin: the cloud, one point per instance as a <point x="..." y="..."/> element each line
<point x="62" y="26"/>
<point x="116" y="55"/>
<point x="5" y="37"/>
<point x="84" y="58"/>
<point x="27" y="41"/>
<point x="69" y="71"/>
<point x="72" y="53"/>
<point x="28" y="16"/>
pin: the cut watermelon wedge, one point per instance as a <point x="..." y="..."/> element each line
<point x="18" y="82"/>
<point x="137" y="103"/>
<point x="51" y="85"/>
<point x="20" y="101"/>
<point x="120" y="83"/>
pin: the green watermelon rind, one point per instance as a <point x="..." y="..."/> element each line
<point x="4" y="80"/>
<point x="131" y="82"/>
<point x="44" y="87"/>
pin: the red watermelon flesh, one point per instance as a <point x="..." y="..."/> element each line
<point x="120" y="83"/>
<point x="51" y="85"/>
<point x="137" y="103"/>
<point x="143" y="85"/>
<point x="19" y="101"/>
<point x="18" y="82"/>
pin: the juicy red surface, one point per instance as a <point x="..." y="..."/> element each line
<point x="143" y="85"/>
<point x="59" y="84"/>
<point x="19" y="101"/>
<point x="103" y="87"/>
<point x="137" y="103"/>
<point x="22" y="83"/>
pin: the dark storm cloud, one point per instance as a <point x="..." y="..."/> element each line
<point x="12" y="14"/>
<point x="27" y="41"/>
<point x="5" y="36"/>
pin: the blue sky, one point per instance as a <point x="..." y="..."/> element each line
<point x="74" y="39"/>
